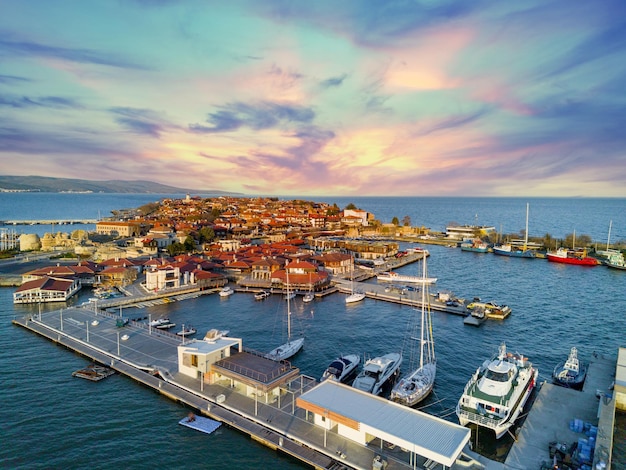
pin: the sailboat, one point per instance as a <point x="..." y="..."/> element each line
<point x="309" y="297"/>
<point x="292" y="346"/>
<point x="354" y="296"/>
<point x="509" y="250"/>
<point x="414" y="387"/>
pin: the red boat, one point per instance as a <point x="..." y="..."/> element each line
<point x="563" y="255"/>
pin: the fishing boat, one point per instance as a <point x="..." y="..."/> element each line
<point x="573" y="256"/>
<point x="570" y="373"/>
<point x="518" y="252"/>
<point x="262" y="295"/>
<point x="475" y="245"/>
<point x="355" y="296"/>
<point x="226" y="291"/>
<point x="563" y="255"/>
<point x="292" y="346"/>
<point x="377" y="372"/>
<point x="418" y="383"/>
<point x="495" y="395"/>
<point x="341" y="368"/>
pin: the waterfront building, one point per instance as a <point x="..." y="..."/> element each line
<point x="46" y="289"/>
<point x="119" y="229"/>
<point x="162" y="277"/>
<point x="461" y="232"/>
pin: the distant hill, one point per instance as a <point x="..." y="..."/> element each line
<point x="58" y="185"/>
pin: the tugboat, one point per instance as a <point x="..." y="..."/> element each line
<point x="495" y="395"/>
<point x="570" y="373"/>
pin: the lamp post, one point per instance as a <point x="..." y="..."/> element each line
<point x="87" y="323"/>
<point x="61" y="313"/>
<point x="118" y="344"/>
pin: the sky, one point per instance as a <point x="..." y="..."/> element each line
<point x="335" y="98"/>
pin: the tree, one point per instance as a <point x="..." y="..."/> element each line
<point x="189" y="244"/>
<point x="395" y="221"/>
<point x="406" y="221"/>
<point x="350" y="207"/>
<point x="206" y="235"/>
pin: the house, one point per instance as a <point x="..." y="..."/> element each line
<point x="119" y="229"/>
<point x="46" y="289"/>
<point x="162" y="277"/>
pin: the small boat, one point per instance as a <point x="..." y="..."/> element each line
<point x="226" y="291"/>
<point x="200" y="423"/>
<point x="570" y="373"/>
<point x="476" y="245"/>
<point x="616" y="261"/>
<point x="341" y="368"/>
<point x="93" y="372"/>
<point x="214" y="334"/>
<point x="496" y="394"/>
<point x="187" y="331"/>
<point x="262" y="295"/>
<point x="488" y="310"/>
<point x="308" y="297"/>
<point x="377" y="372"/>
<point x="355" y="296"/>
<point x="165" y="326"/>
<point x="160" y="322"/>
<point x="476" y="317"/>
<point x="516" y="252"/>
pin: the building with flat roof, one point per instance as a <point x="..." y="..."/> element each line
<point x="363" y="417"/>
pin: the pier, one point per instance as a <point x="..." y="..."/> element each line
<point x="149" y="356"/>
<point x="49" y="222"/>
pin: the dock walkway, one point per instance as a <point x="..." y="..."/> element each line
<point x="279" y="425"/>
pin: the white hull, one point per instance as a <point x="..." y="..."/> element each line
<point x="376" y="372"/>
<point x="413" y="388"/>
<point x="226" y="291"/>
<point x="341" y="368"/>
<point x="308" y="298"/>
<point x="493" y="403"/>
<point x="287" y="350"/>
<point x="395" y="277"/>
<point x="356" y="297"/>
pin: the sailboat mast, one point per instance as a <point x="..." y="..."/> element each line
<point x="423" y="309"/>
<point x="608" y="240"/>
<point x="526" y="232"/>
<point x="288" y="311"/>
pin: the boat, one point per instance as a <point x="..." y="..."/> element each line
<point x="570" y="373"/>
<point x="616" y="261"/>
<point x="292" y="346"/>
<point x="226" y="291"/>
<point x="419" y="382"/>
<point x="496" y="394"/>
<point x="94" y="372"/>
<point x="262" y="295"/>
<point x="215" y="334"/>
<point x="573" y="256"/>
<point x="563" y="255"/>
<point x="476" y="317"/>
<point x="200" y="423"/>
<point x="355" y="296"/>
<point x="518" y="252"/>
<point x="488" y="310"/>
<point x="392" y="276"/>
<point x="341" y="368"/>
<point x="308" y="297"/>
<point x="165" y="326"/>
<point x="377" y="372"/>
<point x="187" y="331"/>
<point x="608" y="252"/>
<point x="475" y="245"/>
<point x="160" y="322"/>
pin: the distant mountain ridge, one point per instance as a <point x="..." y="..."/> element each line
<point x="57" y="185"/>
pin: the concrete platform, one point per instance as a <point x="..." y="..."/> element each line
<point x="550" y="416"/>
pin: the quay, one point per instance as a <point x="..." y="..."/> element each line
<point x="49" y="222"/>
<point x="150" y="357"/>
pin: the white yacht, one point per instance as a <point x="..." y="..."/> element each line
<point x="377" y="371"/>
<point x="341" y="368"/>
<point x="226" y="291"/>
<point x="495" y="395"/>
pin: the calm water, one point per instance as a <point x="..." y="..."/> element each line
<point x="52" y="420"/>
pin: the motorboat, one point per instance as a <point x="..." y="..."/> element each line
<point x="187" y="331"/>
<point x="160" y="322"/>
<point x="226" y="291"/>
<point x="418" y="383"/>
<point x="496" y="394"/>
<point x="377" y="372"/>
<point x="355" y="297"/>
<point x="341" y="368"/>
<point x="262" y="295"/>
<point x="570" y="373"/>
<point x="215" y="334"/>
<point x="476" y="245"/>
<point x="308" y="297"/>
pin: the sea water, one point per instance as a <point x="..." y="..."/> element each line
<point x="52" y="420"/>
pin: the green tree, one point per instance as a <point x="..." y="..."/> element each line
<point x="189" y="244"/>
<point x="395" y="221"/>
<point x="176" y="248"/>
<point x="351" y="207"/>
<point x="206" y="235"/>
<point x="406" y="221"/>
